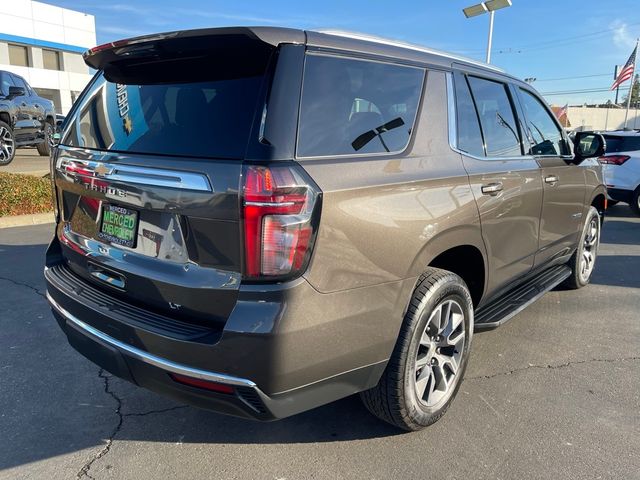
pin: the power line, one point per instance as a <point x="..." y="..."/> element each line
<point x="576" y="92"/>
<point x="555" y="42"/>
<point x="574" y="78"/>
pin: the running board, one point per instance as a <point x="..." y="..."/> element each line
<point x="514" y="301"/>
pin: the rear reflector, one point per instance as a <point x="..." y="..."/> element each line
<point x="614" y="159"/>
<point x="278" y="209"/>
<point x="204" y="384"/>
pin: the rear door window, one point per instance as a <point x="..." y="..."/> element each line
<point x="351" y="106"/>
<point x="205" y="119"/>
<point x="469" y="134"/>
<point x="496" y="117"/>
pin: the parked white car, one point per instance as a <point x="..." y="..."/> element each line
<point x="621" y="167"/>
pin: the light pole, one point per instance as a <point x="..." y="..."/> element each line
<point x="489" y="6"/>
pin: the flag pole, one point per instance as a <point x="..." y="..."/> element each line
<point x="633" y="81"/>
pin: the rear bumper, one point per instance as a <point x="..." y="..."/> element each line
<point x="620" y="195"/>
<point x="265" y="351"/>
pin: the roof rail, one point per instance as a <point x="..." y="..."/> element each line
<point x="411" y="46"/>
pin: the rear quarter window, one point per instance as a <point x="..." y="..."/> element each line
<point x="351" y="106"/>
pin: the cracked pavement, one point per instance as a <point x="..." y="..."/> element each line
<point x="554" y="393"/>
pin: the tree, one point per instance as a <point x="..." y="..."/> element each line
<point x="635" y="93"/>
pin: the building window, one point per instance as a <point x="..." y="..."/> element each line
<point x="51" y="59"/>
<point x="18" y="55"/>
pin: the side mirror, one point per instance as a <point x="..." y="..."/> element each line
<point x="16" y="92"/>
<point x="588" y="145"/>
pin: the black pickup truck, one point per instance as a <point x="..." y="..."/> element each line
<point x="26" y="119"/>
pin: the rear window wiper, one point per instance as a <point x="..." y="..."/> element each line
<point x="367" y="136"/>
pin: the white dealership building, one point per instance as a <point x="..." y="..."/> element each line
<point x="44" y="44"/>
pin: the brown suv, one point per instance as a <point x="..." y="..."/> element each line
<point x="262" y="220"/>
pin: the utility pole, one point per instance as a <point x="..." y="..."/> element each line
<point x="491" y="15"/>
<point x="633" y="81"/>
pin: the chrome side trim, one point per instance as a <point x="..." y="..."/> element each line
<point x="269" y="204"/>
<point x="134" y="175"/>
<point x="451" y="112"/>
<point x="146" y="357"/>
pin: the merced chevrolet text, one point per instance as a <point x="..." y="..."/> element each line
<point x="260" y="221"/>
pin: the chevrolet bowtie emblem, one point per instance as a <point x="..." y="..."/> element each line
<point x="102" y="170"/>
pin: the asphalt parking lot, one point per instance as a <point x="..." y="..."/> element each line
<point x="27" y="160"/>
<point x="555" y="393"/>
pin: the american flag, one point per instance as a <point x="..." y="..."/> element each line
<point x="562" y="112"/>
<point x="627" y="71"/>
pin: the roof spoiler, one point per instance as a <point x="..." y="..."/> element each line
<point x="183" y="41"/>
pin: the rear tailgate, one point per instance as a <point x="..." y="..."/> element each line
<point x="148" y="170"/>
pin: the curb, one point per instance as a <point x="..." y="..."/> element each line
<point x="24" y="220"/>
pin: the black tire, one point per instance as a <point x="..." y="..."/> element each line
<point x="7" y="144"/>
<point x="579" y="276"/>
<point x="635" y="202"/>
<point x="44" y="148"/>
<point x="395" y="399"/>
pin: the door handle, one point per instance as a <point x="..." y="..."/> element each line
<point x="551" y="179"/>
<point x="492" y="188"/>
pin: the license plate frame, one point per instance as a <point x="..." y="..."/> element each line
<point x="119" y="221"/>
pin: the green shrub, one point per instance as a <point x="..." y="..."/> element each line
<point x="22" y="194"/>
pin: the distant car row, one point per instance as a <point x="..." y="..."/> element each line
<point x="26" y="119"/>
<point x="621" y="167"/>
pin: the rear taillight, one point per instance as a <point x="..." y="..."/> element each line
<point x="280" y="220"/>
<point x="614" y="159"/>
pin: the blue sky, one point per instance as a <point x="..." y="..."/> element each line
<point x="545" y="39"/>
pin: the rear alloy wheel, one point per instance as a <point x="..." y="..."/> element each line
<point x="7" y="144"/>
<point x="583" y="260"/>
<point x="44" y="148"/>
<point x="430" y="357"/>
<point x="439" y="354"/>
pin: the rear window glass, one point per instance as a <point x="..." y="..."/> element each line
<point x="354" y="106"/>
<point x="204" y="119"/>
<point x="469" y="135"/>
<point x="496" y="117"/>
<point x="622" y="144"/>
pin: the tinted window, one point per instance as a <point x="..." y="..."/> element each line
<point x="469" y="135"/>
<point x="496" y="117"/>
<point x="51" y="59"/>
<point x="18" y="55"/>
<point x="622" y="144"/>
<point x="5" y="82"/>
<point x="19" y="82"/>
<point x="544" y="134"/>
<point x="206" y="119"/>
<point x="353" y="106"/>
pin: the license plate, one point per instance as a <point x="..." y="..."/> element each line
<point x="119" y="225"/>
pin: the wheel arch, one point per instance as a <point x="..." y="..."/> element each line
<point x="6" y="118"/>
<point x="459" y="250"/>
<point x="597" y="198"/>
